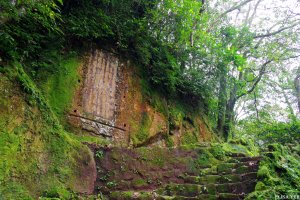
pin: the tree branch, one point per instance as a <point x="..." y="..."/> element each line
<point x="254" y="12"/>
<point x="276" y="32"/>
<point x="259" y="77"/>
<point x="233" y="8"/>
<point x="297" y="87"/>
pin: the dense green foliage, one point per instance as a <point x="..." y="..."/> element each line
<point x="279" y="173"/>
<point x="267" y="133"/>
<point x="132" y="29"/>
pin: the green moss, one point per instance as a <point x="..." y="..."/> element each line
<point x="238" y="148"/>
<point x="189" y="138"/>
<point x="230" y="178"/>
<point x="241" y="141"/>
<point x="139" y="182"/>
<point x="13" y="190"/>
<point x="60" y="86"/>
<point x="242" y="170"/>
<point x="84" y="138"/>
<point x="209" y="179"/>
<point x="121" y="195"/>
<point x="204" y="160"/>
<point x="126" y="195"/>
<point x="142" y="129"/>
<point x="57" y="192"/>
<point x="218" y="152"/>
<point x="159" y="103"/>
<point x="175" y="116"/>
<point x="223" y="188"/>
<point x="263" y="172"/>
<point x="225" y="167"/>
<point x="279" y="174"/>
<point x="260" y="186"/>
<point x="36" y="153"/>
<point x="181" y="190"/>
<point x="169" y="141"/>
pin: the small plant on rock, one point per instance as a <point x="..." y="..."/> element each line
<point x="99" y="154"/>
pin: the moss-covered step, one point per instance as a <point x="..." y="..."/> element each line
<point x="201" y="196"/>
<point x="201" y="179"/>
<point x="234" y="155"/>
<point x="178" y="173"/>
<point x="236" y="188"/>
<point x="187" y="190"/>
<point x="219" y="179"/>
<point x="245" y="169"/>
<point x="230" y="196"/>
<point x="248" y="159"/>
<point x="128" y="195"/>
<point x="238" y="168"/>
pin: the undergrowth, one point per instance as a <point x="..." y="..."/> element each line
<point x="279" y="173"/>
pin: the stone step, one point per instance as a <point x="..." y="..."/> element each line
<point x="193" y="190"/>
<point x="237" y="188"/>
<point x="227" y="178"/>
<point x="245" y="169"/>
<point x="240" y="163"/>
<point x="182" y="178"/>
<point x="226" y="168"/>
<point x="237" y="155"/>
<point x="220" y="196"/>
<point x="237" y="168"/>
<point x="233" y="160"/>
<point x="247" y="159"/>
<point x="150" y="195"/>
<point x="203" y="144"/>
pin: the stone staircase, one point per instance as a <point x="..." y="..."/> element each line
<point x="134" y="176"/>
<point x="231" y="180"/>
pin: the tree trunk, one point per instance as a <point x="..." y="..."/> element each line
<point x="222" y="99"/>
<point x="202" y="9"/>
<point x="297" y="87"/>
<point x="229" y="112"/>
<point x="229" y="118"/>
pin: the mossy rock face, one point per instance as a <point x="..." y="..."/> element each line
<point x="42" y="157"/>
